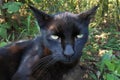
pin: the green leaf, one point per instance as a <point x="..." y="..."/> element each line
<point x="3" y="32"/>
<point x="110" y="65"/>
<point x="93" y="76"/>
<point x="6" y="5"/>
<point x="5" y="25"/>
<point x="28" y="23"/>
<point x="2" y="44"/>
<point x="118" y="69"/>
<point x="12" y="6"/>
<point x="110" y="77"/>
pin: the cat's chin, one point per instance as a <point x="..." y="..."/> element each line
<point x="69" y="62"/>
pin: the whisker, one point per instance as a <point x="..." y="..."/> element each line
<point x="40" y="69"/>
<point x="47" y="65"/>
<point x="44" y="58"/>
<point x="41" y="75"/>
<point x="41" y="62"/>
<point x="44" y="69"/>
<point x="40" y="66"/>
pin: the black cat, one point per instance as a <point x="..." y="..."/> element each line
<point x="51" y="55"/>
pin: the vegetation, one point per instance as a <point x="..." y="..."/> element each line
<point x="101" y="55"/>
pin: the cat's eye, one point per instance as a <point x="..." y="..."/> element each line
<point x="79" y="36"/>
<point x="55" y="37"/>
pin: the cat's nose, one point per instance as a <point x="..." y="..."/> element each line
<point x="68" y="52"/>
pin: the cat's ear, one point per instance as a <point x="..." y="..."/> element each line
<point x="87" y="15"/>
<point x="42" y="18"/>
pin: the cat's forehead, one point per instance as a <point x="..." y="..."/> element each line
<point x="64" y="15"/>
<point x="65" y="21"/>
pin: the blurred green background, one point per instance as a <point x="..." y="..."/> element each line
<point x="101" y="54"/>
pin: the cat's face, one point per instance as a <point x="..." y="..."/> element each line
<point x="64" y="34"/>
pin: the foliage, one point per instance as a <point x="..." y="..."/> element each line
<point x="3" y="30"/>
<point x="12" y="6"/>
<point x="102" y="52"/>
<point x="110" y="66"/>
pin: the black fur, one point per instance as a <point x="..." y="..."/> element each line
<point x="47" y="57"/>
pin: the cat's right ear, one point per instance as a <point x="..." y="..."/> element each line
<point x="87" y="15"/>
<point x="42" y="18"/>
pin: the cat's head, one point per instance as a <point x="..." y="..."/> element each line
<point x="64" y="34"/>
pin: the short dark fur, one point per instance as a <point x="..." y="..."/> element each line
<point x="45" y="58"/>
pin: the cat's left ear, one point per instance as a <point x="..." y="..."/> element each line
<point x="87" y="15"/>
<point x="42" y="18"/>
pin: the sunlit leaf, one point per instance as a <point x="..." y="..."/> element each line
<point x="2" y="44"/>
<point x="12" y="6"/>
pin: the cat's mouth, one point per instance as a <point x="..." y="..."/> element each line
<point x="65" y="60"/>
<point x="68" y="61"/>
